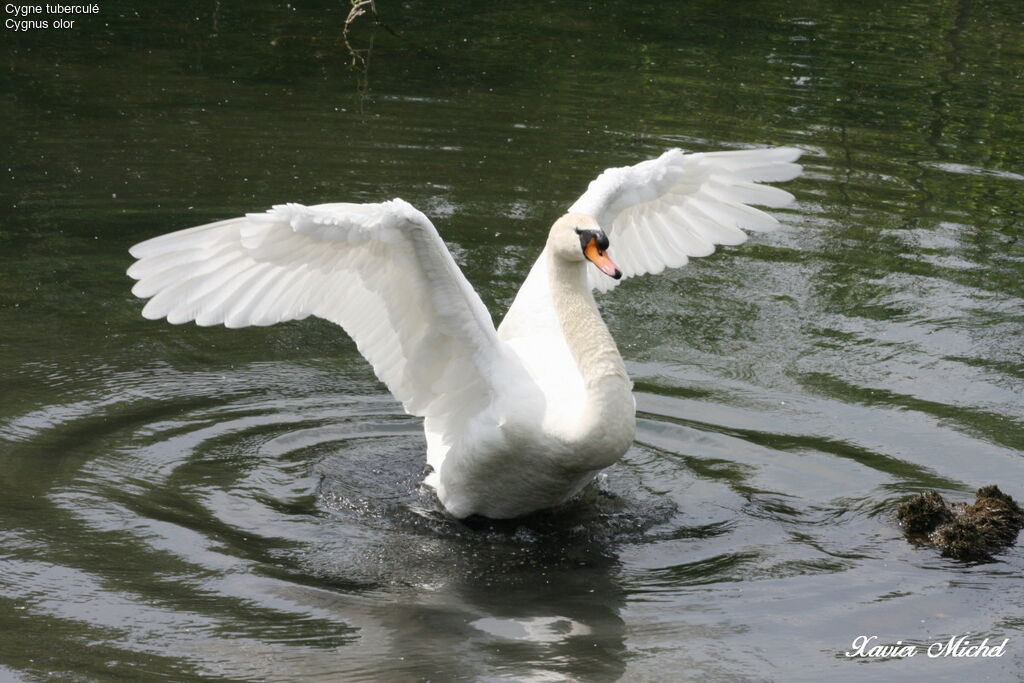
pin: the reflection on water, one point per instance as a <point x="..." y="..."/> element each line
<point x="245" y="504"/>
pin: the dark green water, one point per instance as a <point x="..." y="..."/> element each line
<point x="178" y="502"/>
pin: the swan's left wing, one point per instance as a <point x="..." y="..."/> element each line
<point x="660" y="212"/>
<point x="380" y="271"/>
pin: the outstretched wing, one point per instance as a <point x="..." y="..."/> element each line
<point x="660" y="212"/>
<point x="381" y="271"/>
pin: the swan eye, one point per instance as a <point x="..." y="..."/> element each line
<point x="587" y="235"/>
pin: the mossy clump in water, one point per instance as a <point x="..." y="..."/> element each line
<point x="961" y="531"/>
<point x="923" y="513"/>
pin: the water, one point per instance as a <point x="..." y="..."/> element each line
<point x="243" y="505"/>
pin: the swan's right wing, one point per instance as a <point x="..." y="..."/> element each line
<point x="660" y="212"/>
<point x="380" y="271"/>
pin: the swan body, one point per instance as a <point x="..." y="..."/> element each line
<point x="517" y="418"/>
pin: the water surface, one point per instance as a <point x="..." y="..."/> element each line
<point x="244" y="505"/>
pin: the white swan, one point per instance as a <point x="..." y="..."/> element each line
<point x="517" y="418"/>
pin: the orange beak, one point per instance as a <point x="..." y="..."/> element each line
<point x="600" y="259"/>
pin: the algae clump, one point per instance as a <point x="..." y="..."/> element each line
<point x="961" y="531"/>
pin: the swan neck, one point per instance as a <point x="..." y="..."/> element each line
<point x="586" y="335"/>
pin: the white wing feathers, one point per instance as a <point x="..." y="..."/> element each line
<point x="380" y="271"/>
<point x="659" y="213"/>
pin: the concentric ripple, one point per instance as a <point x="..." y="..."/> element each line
<point x="266" y="532"/>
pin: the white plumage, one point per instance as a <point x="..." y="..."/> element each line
<point x="517" y="418"/>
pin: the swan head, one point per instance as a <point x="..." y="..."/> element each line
<point x="578" y="237"/>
